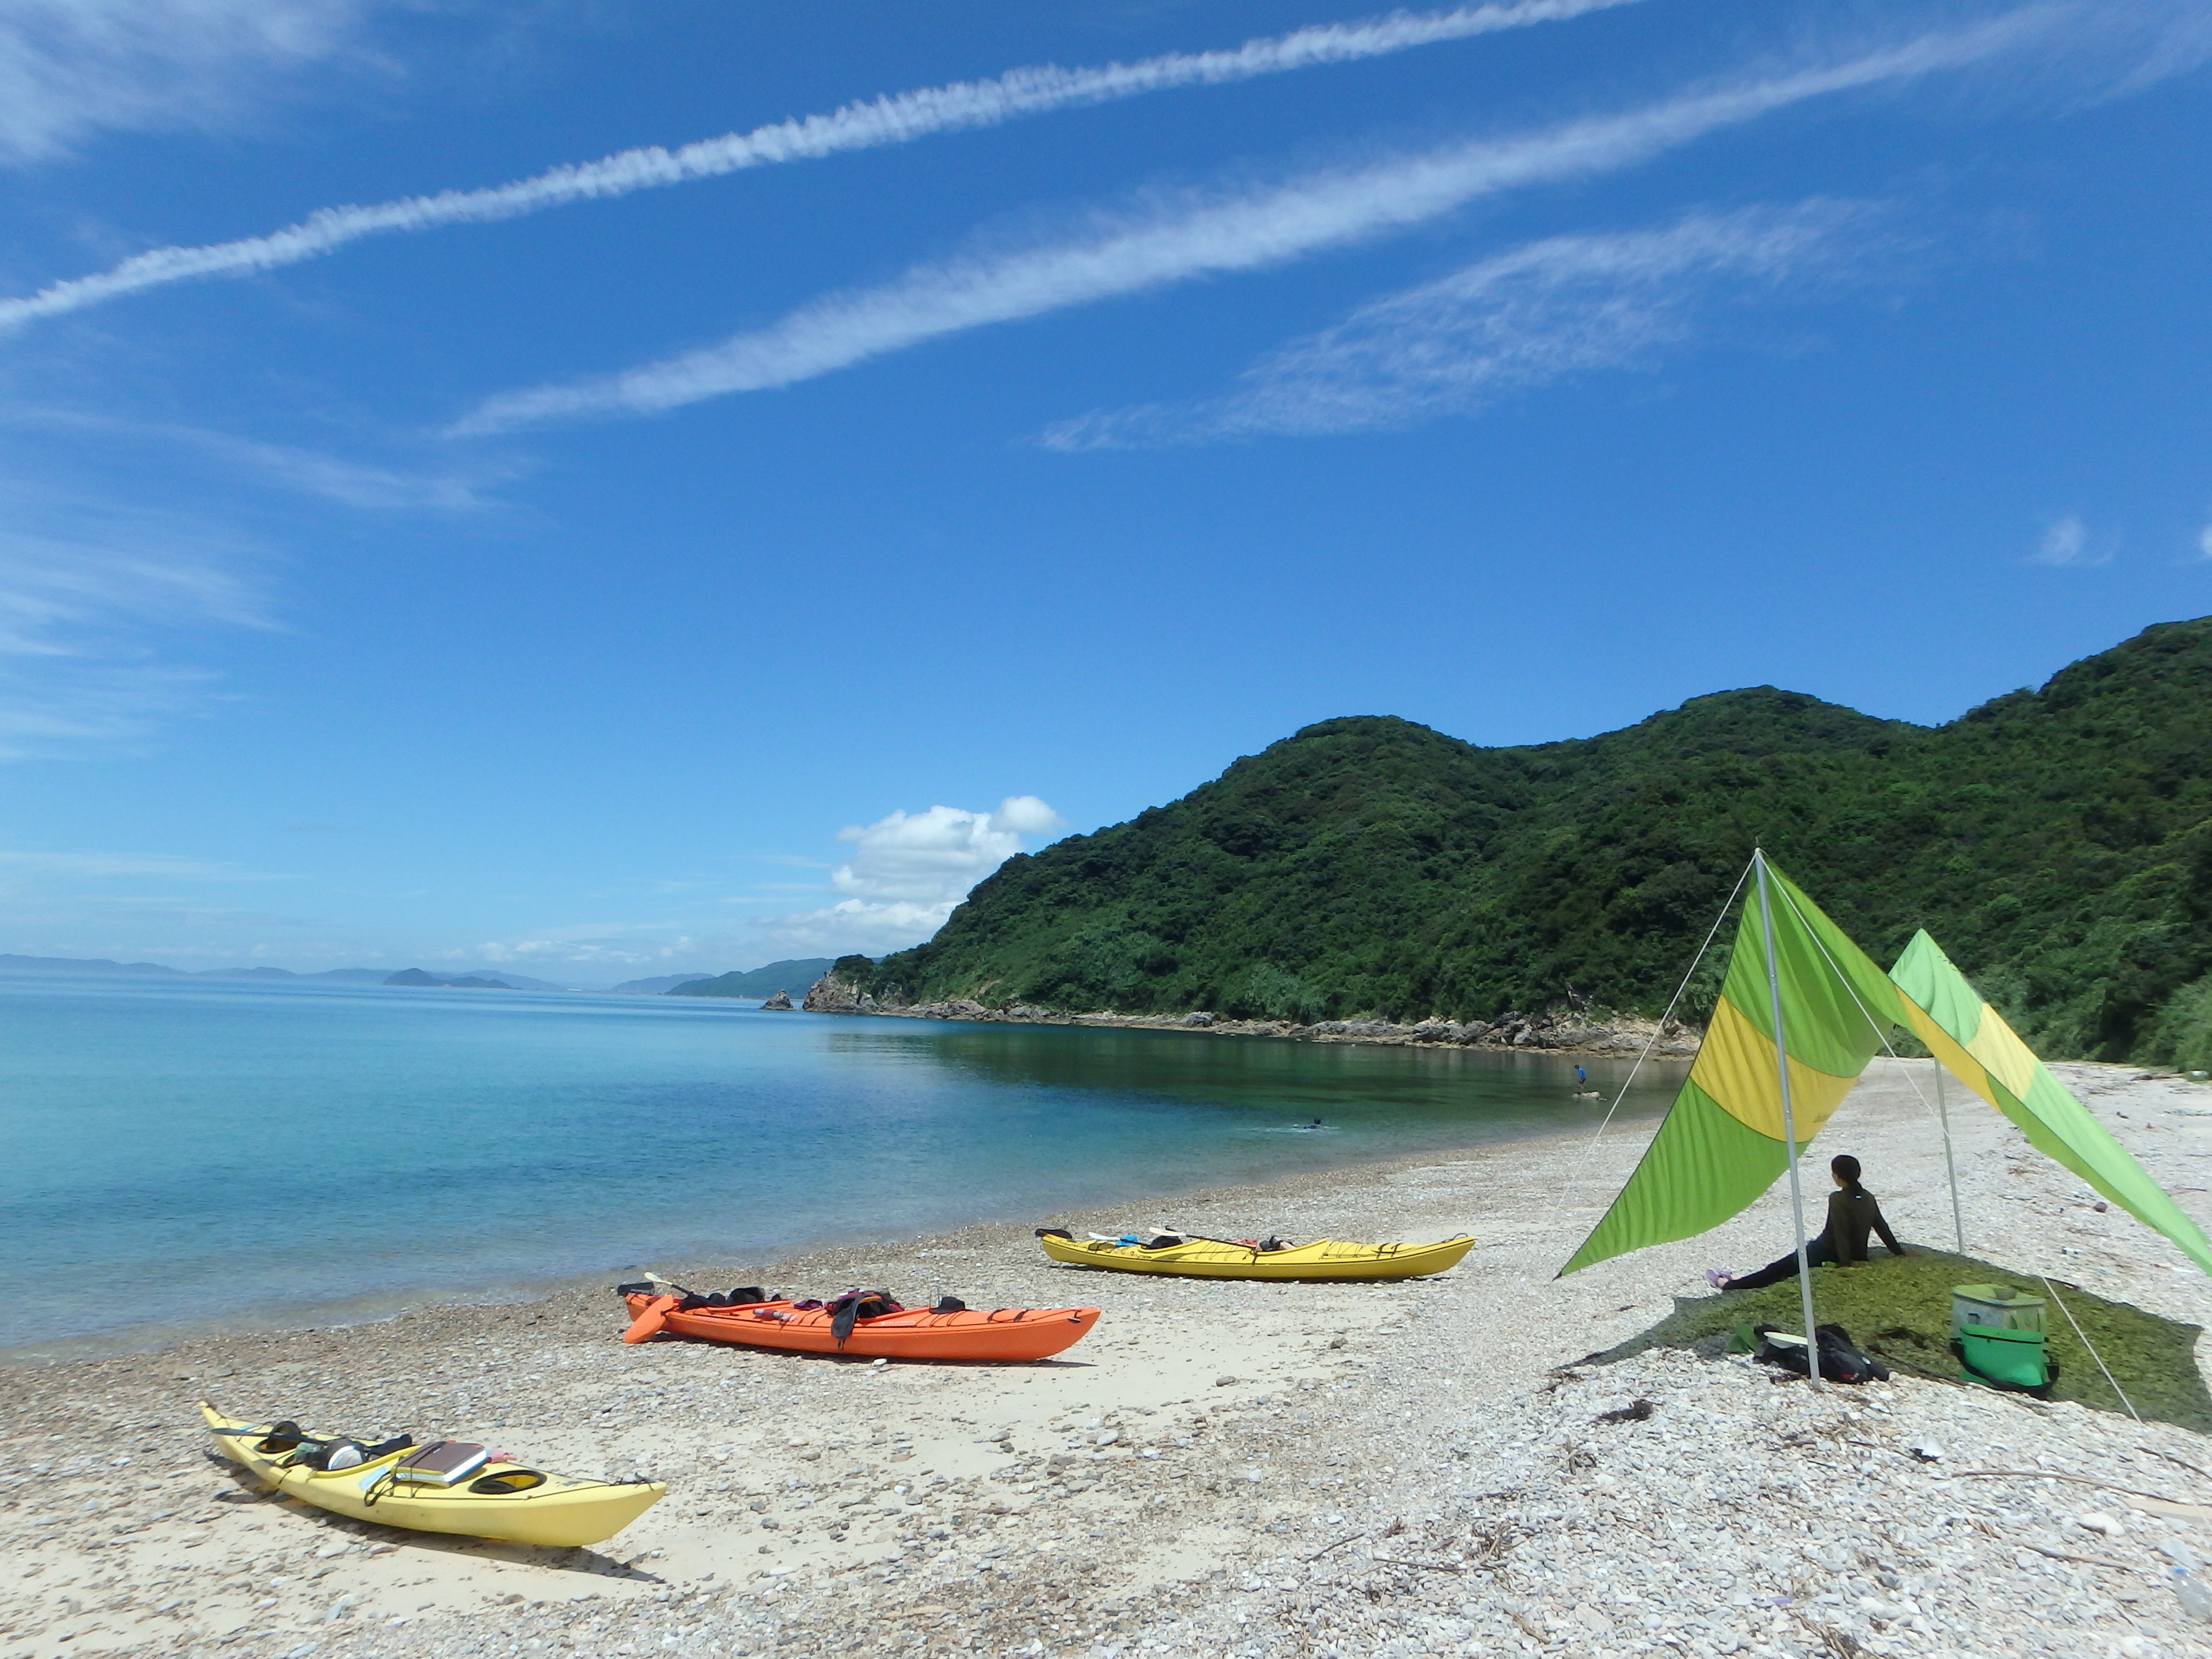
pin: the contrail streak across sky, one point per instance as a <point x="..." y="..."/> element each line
<point x="1244" y="232"/>
<point x="895" y="119"/>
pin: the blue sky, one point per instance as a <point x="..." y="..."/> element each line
<point x="609" y="491"/>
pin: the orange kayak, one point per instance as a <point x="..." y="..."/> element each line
<point x="1004" y="1333"/>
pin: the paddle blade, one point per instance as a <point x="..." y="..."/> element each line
<point x="649" y="1322"/>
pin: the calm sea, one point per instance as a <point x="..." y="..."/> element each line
<point x="184" y="1156"/>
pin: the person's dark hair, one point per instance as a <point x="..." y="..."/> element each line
<point x="1846" y="1167"/>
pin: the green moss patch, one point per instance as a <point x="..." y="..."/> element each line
<point x="1898" y="1308"/>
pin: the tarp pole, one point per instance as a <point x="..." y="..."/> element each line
<point x="1950" y="1168"/>
<point x="1789" y="1127"/>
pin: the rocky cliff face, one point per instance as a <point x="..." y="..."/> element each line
<point x="833" y="993"/>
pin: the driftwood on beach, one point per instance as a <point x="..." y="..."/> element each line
<point x="1568" y="1030"/>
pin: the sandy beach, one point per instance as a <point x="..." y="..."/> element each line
<point x="1221" y="1468"/>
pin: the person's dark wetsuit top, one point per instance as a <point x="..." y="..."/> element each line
<point x="1851" y="1218"/>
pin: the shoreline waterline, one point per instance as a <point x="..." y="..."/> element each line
<point x="207" y="1157"/>
<point x="791" y="1262"/>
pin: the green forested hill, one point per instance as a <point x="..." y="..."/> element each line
<point x="2059" y="842"/>
<point x="793" y="976"/>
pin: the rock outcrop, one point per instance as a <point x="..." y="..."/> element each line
<point x="780" y="1003"/>
<point x="833" y="993"/>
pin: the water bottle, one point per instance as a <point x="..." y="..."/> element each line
<point x="2195" y="1595"/>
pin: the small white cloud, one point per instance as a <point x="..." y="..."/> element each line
<point x="1025" y="814"/>
<point x="908" y="873"/>
<point x="2069" y="541"/>
<point x="2062" y="541"/>
<point x="933" y="858"/>
<point x="2204" y="543"/>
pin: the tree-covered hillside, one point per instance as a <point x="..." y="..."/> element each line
<point x="793" y="975"/>
<point x="2059" y="842"/>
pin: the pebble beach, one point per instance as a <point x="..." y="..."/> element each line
<point x="1246" y="1470"/>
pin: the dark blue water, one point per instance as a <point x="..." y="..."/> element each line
<point x="177" y="1155"/>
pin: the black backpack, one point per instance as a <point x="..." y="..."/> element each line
<point x="1840" y="1358"/>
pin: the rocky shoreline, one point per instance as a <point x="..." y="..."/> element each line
<point x="1563" y="1030"/>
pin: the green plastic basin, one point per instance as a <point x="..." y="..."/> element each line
<point x="2014" y="1357"/>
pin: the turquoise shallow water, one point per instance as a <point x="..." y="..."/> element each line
<point x="184" y="1155"/>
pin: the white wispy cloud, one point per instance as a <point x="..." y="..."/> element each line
<point x="2203" y="544"/>
<point x="443" y="487"/>
<point x="1549" y="308"/>
<point x="615" y="943"/>
<point x="1232" y="231"/>
<point x="110" y="595"/>
<point x="92" y="598"/>
<point x="896" y="118"/>
<point x="72" y="68"/>
<point x="108" y="866"/>
<point x="868" y="926"/>
<point x="2069" y="541"/>
<point x="2147" y="41"/>
<point x="350" y="483"/>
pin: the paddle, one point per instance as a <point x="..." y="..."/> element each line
<point x="647" y="1324"/>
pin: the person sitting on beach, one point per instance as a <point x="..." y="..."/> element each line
<point x="1852" y="1214"/>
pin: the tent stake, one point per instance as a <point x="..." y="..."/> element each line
<point x="1788" y="1128"/>
<point x="1951" y="1168"/>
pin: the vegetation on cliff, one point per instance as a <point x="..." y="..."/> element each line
<point x="2059" y="842"/>
<point x="792" y="974"/>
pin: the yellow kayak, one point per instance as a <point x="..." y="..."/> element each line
<point x="485" y="1498"/>
<point x="1210" y="1258"/>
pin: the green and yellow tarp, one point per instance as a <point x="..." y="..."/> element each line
<point x="1722" y="1142"/>
<point x="1978" y="1048"/>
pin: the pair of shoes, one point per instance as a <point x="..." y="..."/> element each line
<point x="1716" y="1279"/>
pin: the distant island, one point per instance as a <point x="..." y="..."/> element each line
<point x="2058" y="841"/>
<point x="101" y="968"/>
<point x="659" y="985"/>
<point x="763" y="982"/>
<point x="443" y="982"/>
